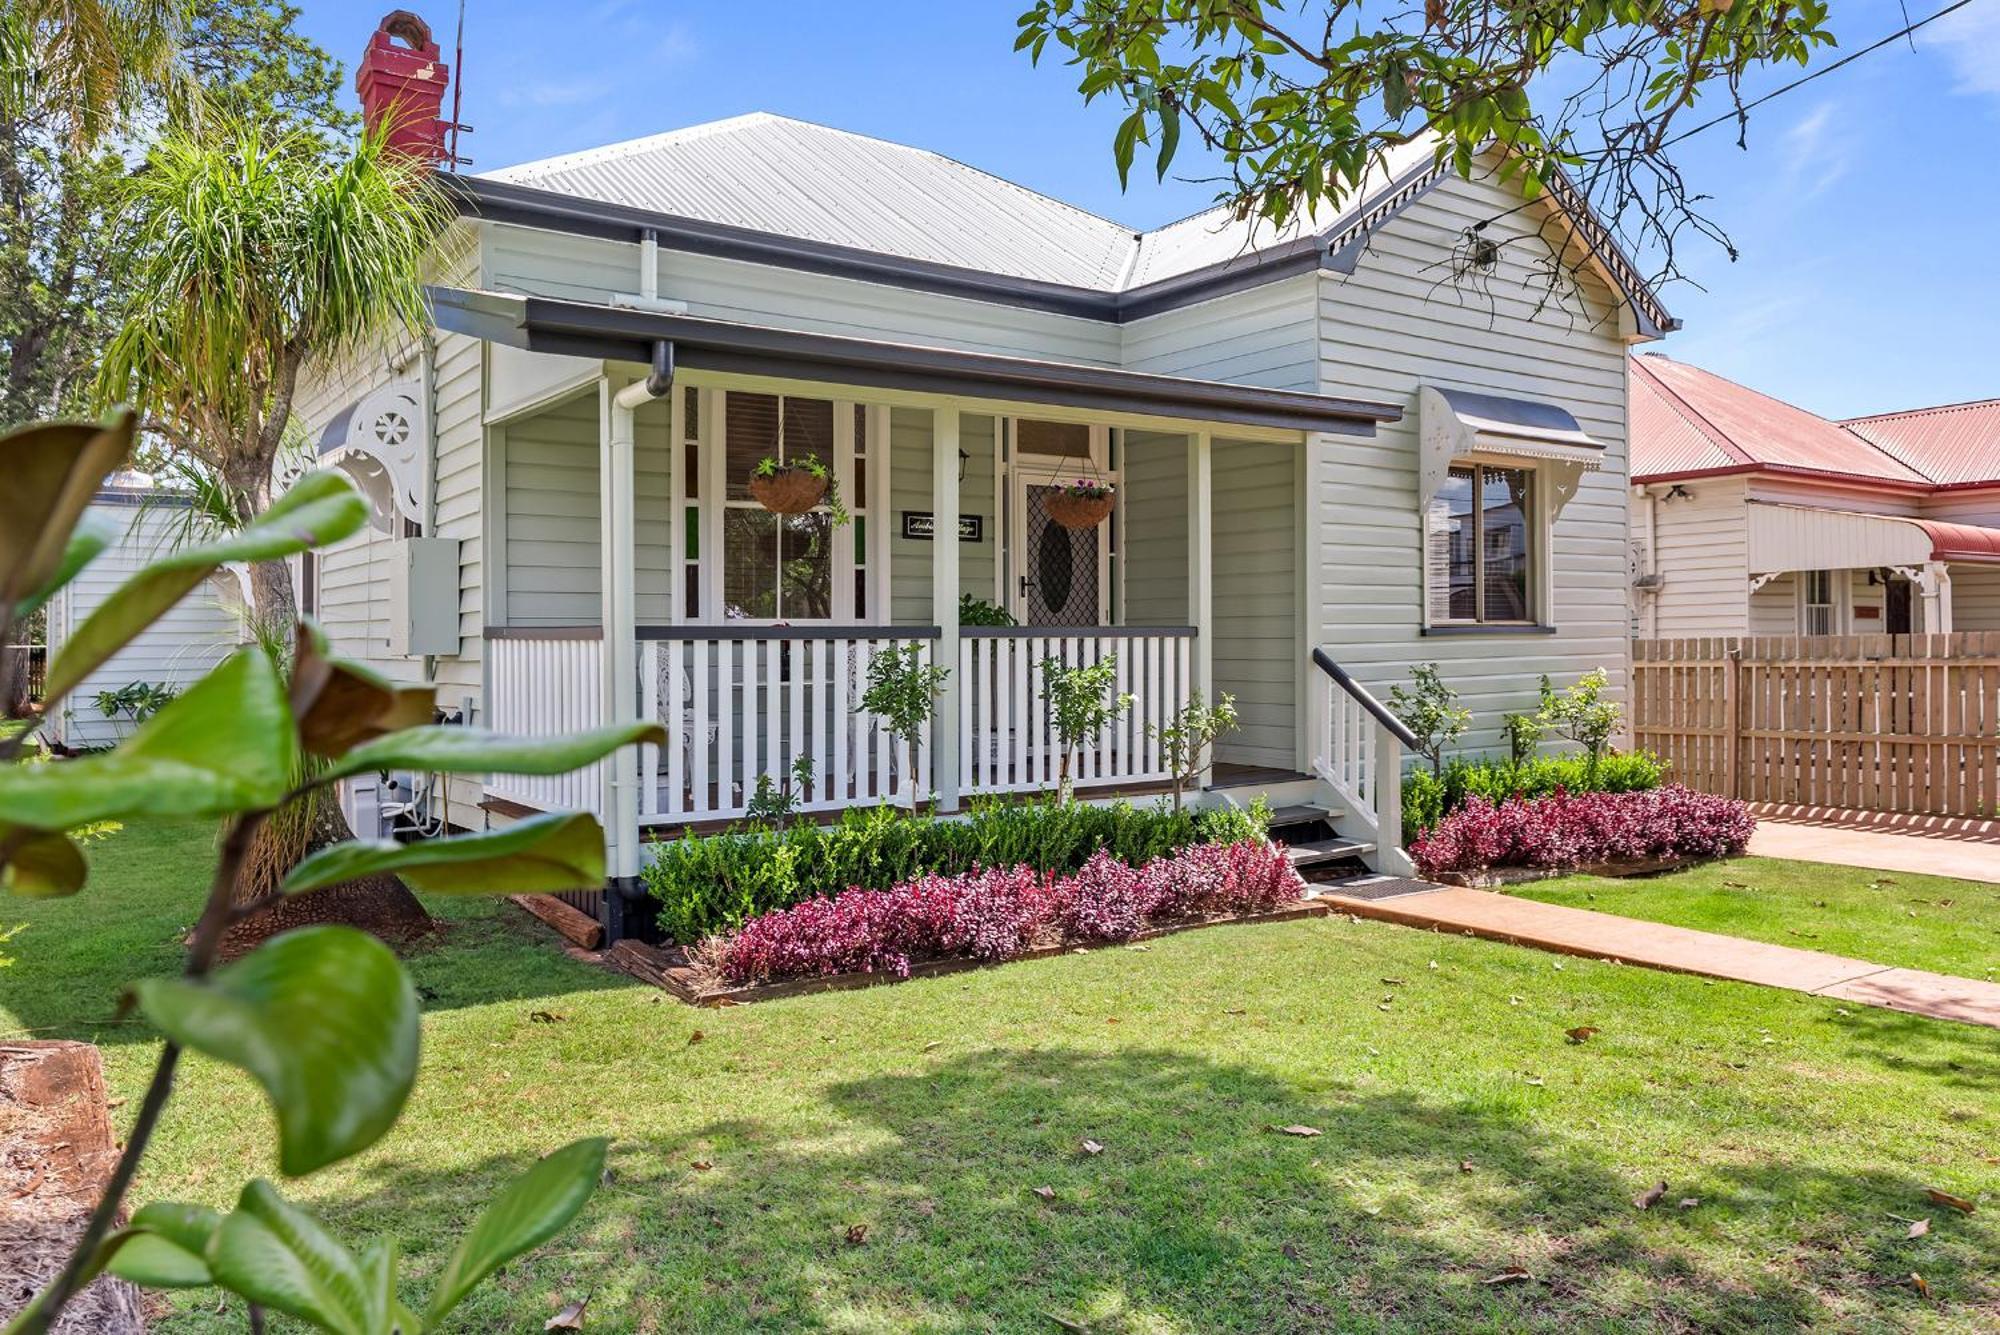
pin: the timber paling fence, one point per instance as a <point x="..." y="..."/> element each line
<point x="1908" y="724"/>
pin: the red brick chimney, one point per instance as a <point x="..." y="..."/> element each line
<point x="401" y="82"/>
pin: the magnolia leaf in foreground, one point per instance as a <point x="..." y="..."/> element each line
<point x="320" y="508"/>
<point x="86" y="544"/>
<point x="225" y="745"/>
<point x="461" y="750"/>
<point x="340" y="703"/>
<point x="167" y="1246"/>
<point x="40" y="864"/>
<point x="52" y="472"/>
<point x="278" y="1256"/>
<point x="534" y="1208"/>
<point x="541" y="855"/>
<point x="324" y="1018"/>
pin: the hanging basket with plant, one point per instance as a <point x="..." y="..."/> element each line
<point x="795" y="487"/>
<point x="1079" y="505"/>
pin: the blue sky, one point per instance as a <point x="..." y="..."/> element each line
<point x="1867" y="208"/>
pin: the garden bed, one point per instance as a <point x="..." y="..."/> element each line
<point x="671" y="968"/>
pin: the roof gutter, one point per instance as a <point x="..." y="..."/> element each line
<point x="582" y="329"/>
<point x="1791" y="471"/>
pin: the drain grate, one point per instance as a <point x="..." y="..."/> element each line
<point x="1377" y="887"/>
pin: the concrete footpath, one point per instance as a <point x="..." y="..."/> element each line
<point x="1969" y="856"/>
<point x="1682" y="950"/>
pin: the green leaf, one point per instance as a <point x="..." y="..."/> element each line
<point x="52" y="472"/>
<point x="541" y="855"/>
<point x="1170" y="137"/>
<point x="40" y="864"/>
<point x="226" y="745"/>
<point x="320" y="508"/>
<point x="461" y="750"/>
<point x="167" y="1246"/>
<point x="324" y="1018"/>
<point x="278" y="1256"/>
<point x="534" y="1208"/>
<point x="86" y="544"/>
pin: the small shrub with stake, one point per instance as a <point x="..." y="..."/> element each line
<point x="1582" y="713"/>
<point x="1187" y="741"/>
<point x="1080" y="706"/>
<point x="1430" y="710"/>
<point x="902" y="691"/>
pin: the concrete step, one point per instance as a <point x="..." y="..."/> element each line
<point x="1327" y="850"/>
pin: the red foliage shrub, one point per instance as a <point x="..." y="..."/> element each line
<point x="994" y="915"/>
<point x="1570" y="830"/>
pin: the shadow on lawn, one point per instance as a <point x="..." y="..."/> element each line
<point x="1195" y="1215"/>
<point x="1950" y="1054"/>
<point x="74" y="962"/>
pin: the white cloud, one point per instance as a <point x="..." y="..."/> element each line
<point x="1816" y="152"/>
<point x="545" y="94"/>
<point x="1969" y="40"/>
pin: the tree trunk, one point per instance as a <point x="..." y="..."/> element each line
<point x="382" y="905"/>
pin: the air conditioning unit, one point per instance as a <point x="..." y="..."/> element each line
<point x="361" y="805"/>
<point x="423" y="597"/>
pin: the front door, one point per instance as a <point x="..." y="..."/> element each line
<point x="1057" y="573"/>
<point x="1896" y="606"/>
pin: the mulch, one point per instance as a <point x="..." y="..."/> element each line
<point x="57" y="1150"/>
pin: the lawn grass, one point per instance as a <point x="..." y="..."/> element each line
<point x="1893" y="918"/>
<point x="1462" y="1134"/>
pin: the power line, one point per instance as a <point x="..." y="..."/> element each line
<point x="1848" y="59"/>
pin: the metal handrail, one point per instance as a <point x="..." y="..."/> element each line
<point x="1397" y="728"/>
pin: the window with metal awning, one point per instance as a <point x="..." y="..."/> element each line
<point x="1495" y="472"/>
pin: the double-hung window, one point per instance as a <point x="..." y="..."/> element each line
<point x="1818" y="609"/>
<point x="1480" y="548"/>
<point x="784" y="567"/>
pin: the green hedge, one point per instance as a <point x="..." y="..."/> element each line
<point x="1429" y="798"/>
<point x="715" y="883"/>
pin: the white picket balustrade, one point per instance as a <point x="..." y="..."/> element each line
<point x="546" y="684"/>
<point x="1008" y="742"/>
<point x="743" y="704"/>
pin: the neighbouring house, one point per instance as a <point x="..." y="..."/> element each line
<point x="1754" y="517"/>
<point x="1372" y="439"/>
<point x="174" y="651"/>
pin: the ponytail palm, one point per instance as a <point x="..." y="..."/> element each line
<point x="260" y="252"/>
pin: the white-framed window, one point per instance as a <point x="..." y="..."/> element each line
<point x="1483" y="548"/>
<point x="1819" y="603"/>
<point x="741" y="562"/>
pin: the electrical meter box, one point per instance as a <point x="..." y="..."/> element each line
<point x="423" y="597"/>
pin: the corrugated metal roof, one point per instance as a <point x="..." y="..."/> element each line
<point x="1217" y="235"/>
<point x="796" y="179"/>
<point x="1723" y="424"/>
<point x="1954" y="443"/>
<point x="802" y="180"/>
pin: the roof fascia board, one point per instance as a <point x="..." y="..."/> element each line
<point x="582" y="329"/>
<point x="1856" y="481"/>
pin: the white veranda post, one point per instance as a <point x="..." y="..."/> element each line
<point x="617" y="407"/>
<point x="945" y="738"/>
<point x="1201" y="590"/>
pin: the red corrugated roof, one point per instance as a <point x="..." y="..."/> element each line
<point x="1751" y="430"/>
<point x="1687" y="421"/>
<point x="1955" y="443"/>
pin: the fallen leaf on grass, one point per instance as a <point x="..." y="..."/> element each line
<point x="1392" y="982"/>
<point x="701" y="1165"/>
<point x="1581" y="1034"/>
<point x="857" y="1234"/>
<point x="1289" y="1252"/>
<point x="1466" y="1165"/>
<point x="696" y="1037"/>
<point x="570" y="1318"/>
<point x="1650" y="1197"/>
<point x="1513" y="1001"/>
<point x="1945" y="1198"/>
<point x="1046" y="1193"/>
<point x="1513" y="1274"/>
<point x="1534" y="1080"/>
<point x="1689" y="1202"/>
<point x="1737" y="885"/>
<point x="1077" y="1327"/>
<point x="1092" y="1147"/>
<point x="1296" y="1130"/>
<point x="1235" y="1010"/>
<point x="1918" y="1228"/>
<point x="1557" y="963"/>
<point x="933" y="1044"/>
<point x="1920" y="1284"/>
<point x="546" y="1017"/>
<point x="1138" y="947"/>
<point x="1809" y="936"/>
